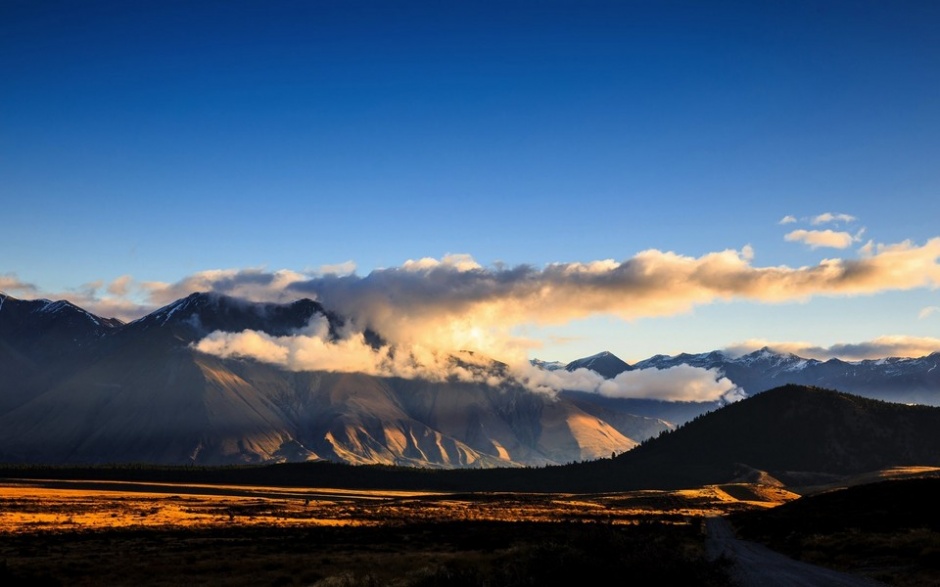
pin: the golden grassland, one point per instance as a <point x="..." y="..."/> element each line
<point x="55" y="532"/>
<point x="81" y="532"/>
<point x="38" y="505"/>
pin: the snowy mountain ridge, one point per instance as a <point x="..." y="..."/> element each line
<point x="898" y="379"/>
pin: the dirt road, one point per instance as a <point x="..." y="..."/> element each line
<point x="756" y="565"/>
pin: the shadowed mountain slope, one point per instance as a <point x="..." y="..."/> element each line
<point x="790" y="431"/>
<point x="42" y="341"/>
<point x="792" y="434"/>
<point x="871" y="507"/>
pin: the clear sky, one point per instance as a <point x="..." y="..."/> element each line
<point x="143" y="143"/>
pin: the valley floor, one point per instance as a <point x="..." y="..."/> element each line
<point x="85" y="532"/>
<point x="31" y="505"/>
<point x="113" y="533"/>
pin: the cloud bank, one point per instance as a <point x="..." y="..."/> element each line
<point x="441" y="298"/>
<point x="314" y="350"/>
<point x="422" y="293"/>
<point x="454" y="304"/>
<point x="679" y="383"/>
<point x="431" y="310"/>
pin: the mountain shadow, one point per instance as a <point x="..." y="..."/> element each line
<point x="792" y="432"/>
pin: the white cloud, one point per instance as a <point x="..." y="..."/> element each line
<point x="821" y="238"/>
<point x="458" y="262"/>
<point x="345" y="268"/>
<point x="311" y="350"/>
<point x="679" y="383"/>
<point x="928" y="311"/>
<point x="787" y="219"/>
<point x="828" y="217"/>
<point x="314" y="350"/>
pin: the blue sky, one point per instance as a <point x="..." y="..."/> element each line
<point x="158" y="140"/>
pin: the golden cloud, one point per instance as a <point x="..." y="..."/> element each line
<point x="821" y="238"/>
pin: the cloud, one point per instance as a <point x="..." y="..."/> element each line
<point x="821" y="238"/>
<point x="309" y="350"/>
<point x="431" y="310"/>
<point x="455" y="304"/>
<point x="10" y="284"/>
<point x="457" y="262"/>
<point x="928" y="311"/>
<point x="254" y="284"/>
<point x="679" y="383"/>
<point x="121" y="286"/>
<point x="314" y="350"/>
<point x="427" y="299"/>
<point x="787" y="219"/>
<point x="880" y="347"/>
<point x="111" y="304"/>
<point x="344" y="268"/>
<point x="828" y="217"/>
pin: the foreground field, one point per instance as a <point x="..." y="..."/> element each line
<point x="56" y="506"/>
<point x="91" y="533"/>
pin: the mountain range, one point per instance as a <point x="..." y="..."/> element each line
<point x="895" y="379"/>
<point x="79" y="388"/>
<point x="793" y="435"/>
<point x="903" y="380"/>
<point x="804" y="438"/>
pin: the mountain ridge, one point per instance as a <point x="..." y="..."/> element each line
<point x="141" y="391"/>
<point x="899" y="379"/>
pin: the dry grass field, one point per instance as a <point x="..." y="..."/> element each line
<point x="113" y="533"/>
<point x="56" y="506"/>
